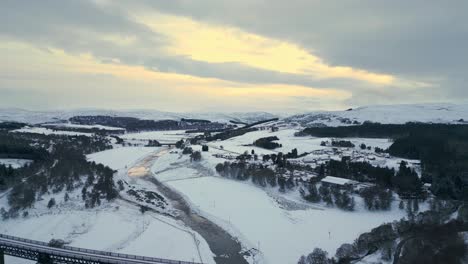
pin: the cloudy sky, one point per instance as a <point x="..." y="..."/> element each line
<point x="213" y="55"/>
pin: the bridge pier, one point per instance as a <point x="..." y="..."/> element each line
<point x="44" y="259"/>
<point x="2" y="257"/>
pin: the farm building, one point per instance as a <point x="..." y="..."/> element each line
<point x="340" y="182"/>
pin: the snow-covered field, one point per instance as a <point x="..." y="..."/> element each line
<point x="286" y="137"/>
<point x="240" y="144"/>
<point x="121" y="158"/>
<point x="388" y="114"/>
<point x="289" y="141"/>
<point x="254" y="216"/>
<point x="15" y="163"/>
<point x="170" y="136"/>
<point x="116" y="227"/>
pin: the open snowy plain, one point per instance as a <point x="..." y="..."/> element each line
<point x="274" y="227"/>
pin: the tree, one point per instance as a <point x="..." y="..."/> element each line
<point x="318" y="256"/>
<point x="180" y="144"/>
<point x="153" y="143"/>
<point x="409" y="210"/>
<point x="321" y="171"/>
<point x="121" y="185"/>
<point x="4" y="214"/>
<point x="415" y="205"/>
<point x="143" y="208"/>
<point x="407" y="180"/>
<point x="51" y="203"/>
<point x="66" y="198"/>
<point x="205" y="148"/>
<point x="219" y="168"/>
<point x="196" y="156"/>
<point x="346" y="251"/>
<point x="187" y="150"/>
<point x="326" y="194"/>
<point x="344" y="201"/>
<point x="293" y="154"/>
<point x="282" y="183"/>
<point x="84" y="193"/>
<point x="313" y="195"/>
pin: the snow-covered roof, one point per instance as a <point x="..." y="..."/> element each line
<point x="336" y="180"/>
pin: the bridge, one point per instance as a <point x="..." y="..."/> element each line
<point x="44" y="253"/>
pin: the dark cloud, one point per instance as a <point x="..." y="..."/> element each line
<point x="419" y="39"/>
<point x="77" y="27"/>
<point x="416" y="40"/>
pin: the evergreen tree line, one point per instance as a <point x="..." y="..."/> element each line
<point x="406" y="181"/>
<point x="442" y="149"/>
<point x="62" y="167"/>
<point x="331" y="195"/>
<point x="267" y="142"/>
<point x="259" y="174"/>
<point x="429" y="237"/>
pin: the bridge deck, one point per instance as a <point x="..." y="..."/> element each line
<point x="30" y="249"/>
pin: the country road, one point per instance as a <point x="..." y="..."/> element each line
<point x="225" y="247"/>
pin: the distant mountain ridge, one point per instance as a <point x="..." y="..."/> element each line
<point x="386" y="114"/>
<point x="37" y="117"/>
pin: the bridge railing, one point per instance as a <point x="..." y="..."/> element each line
<point x="91" y="251"/>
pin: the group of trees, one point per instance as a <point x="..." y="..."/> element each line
<point x="7" y="126"/>
<point x="267" y="142"/>
<point x="377" y="198"/>
<point x="195" y="156"/>
<point x="7" y="176"/>
<point x="342" y="144"/>
<point x="229" y="134"/>
<point x="406" y="181"/>
<point x="60" y="166"/>
<point x="136" y="124"/>
<point x="153" y="143"/>
<point x="331" y="195"/>
<point x="281" y="160"/>
<point x="259" y="174"/>
<point x="429" y="237"/>
<point x="99" y="185"/>
<point x="442" y="149"/>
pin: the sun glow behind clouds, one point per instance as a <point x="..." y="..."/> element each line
<point x="187" y="92"/>
<point x="222" y="44"/>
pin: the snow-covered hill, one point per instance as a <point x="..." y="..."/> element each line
<point x="36" y="117"/>
<point x="387" y="114"/>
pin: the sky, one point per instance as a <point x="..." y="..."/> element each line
<point x="224" y="56"/>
